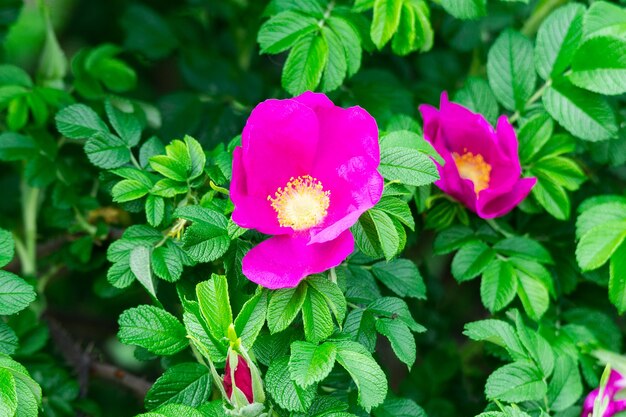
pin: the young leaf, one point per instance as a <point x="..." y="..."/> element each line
<point x="214" y="303"/>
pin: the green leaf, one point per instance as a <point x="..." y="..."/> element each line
<point x="558" y="39"/>
<point x="400" y="337"/>
<point x="394" y="308"/>
<point x="599" y="244"/>
<point x="599" y="214"/>
<point x="385" y="22"/>
<point x="510" y="69"/>
<point x="399" y="407"/>
<point x="477" y="96"/>
<point x="552" y="197"/>
<point x="207" y="238"/>
<point x="405" y="39"/>
<point x="153" y="329"/>
<point x="310" y="363"/>
<point x="533" y="294"/>
<point x="565" y="387"/>
<point x="12" y="75"/>
<point x="539" y="349"/>
<point x="366" y="373"/>
<point x="452" y="239"/>
<point x="28" y="391"/>
<point x="333" y="295"/>
<point x="125" y="124"/>
<point x="583" y="114"/>
<point x="7" y="247"/>
<point x="533" y="135"/>
<point x="176" y="164"/>
<point x="408" y="166"/>
<point x="15" y="293"/>
<point x="498" y="286"/>
<point x="214" y="303"/>
<point x="196" y="156"/>
<point x="471" y="260"/>
<point x="155" y="210"/>
<point x="107" y="151"/>
<point x="140" y="265"/>
<point x="617" y="278"/>
<point x="173" y="410"/>
<point x="523" y="247"/>
<point x="128" y="190"/>
<point x="199" y="333"/>
<point x="604" y="18"/>
<point x="316" y="317"/>
<point x="284" y="391"/>
<point x="361" y="327"/>
<point x="185" y="383"/>
<point x="398" y="209"/>
<point x="8" y="393"/>
<point x="166" y="262"/>
<point x="516" y="382"/>
<point x="402" y="277"/>
<point x="251" y="318"/>
<point x="283" y="30"/>
<point x="600" y="66"/>
<point x="305" y="64"/>
<point x="8" y="340"/>
<point x="499" y="333"/>
<point x="78" y="121"/>
<point x="561" y="171"/>
<point x="337" y="65"/>
<point x="284" y="306"/>
<point x="351" y="42"/>
<point x="465" y="9"/>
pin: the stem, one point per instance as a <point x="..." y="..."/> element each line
<point x="30" y="204"/>
<point x="219" y="189"/>
<point x="543" y="9"/>
<point x="134" y="161"/>
<point x="333" y="275"/>
<point x="538" y="94"/>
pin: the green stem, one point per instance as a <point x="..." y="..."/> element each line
<point x="30" y="205"/>
<point x="542" y="10"/>
<point x="333" y="275"/>
<point x="134" y="161"/>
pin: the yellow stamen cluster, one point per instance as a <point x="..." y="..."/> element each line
<point x="301" y="204"/>
<point x="474" y="168"/>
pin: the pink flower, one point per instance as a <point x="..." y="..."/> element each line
<point x="482" y="168"/>
<point x="305" y="172"/>
<point x="615" y="383"/>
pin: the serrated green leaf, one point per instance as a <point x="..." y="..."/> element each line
<point x="333" y="295"/>
<point x="498" y="285"/>
<point x="408" y="166"/>
<point x="510" y="69"/>
<point x="251" y="318"/>
<point x="402" y="277"/>
<point x="582" y="113"/>
<point x="166" y="263"/>
<point x="465" y="9"/>
<point x="395" y="308"/>
<point x="533" y="294"/>
<point x="185" y="383"/>
<point x="600" y="66"/>
<point x="214" y="303"/>
<point x="305" y="64"/>
<point x="523" y="247"/>
<point x="283" y="30"/>
<point x="128" y="190"/>
<point x="366" y="373"/>
<point x="316" y="317"/>
<point x="153" y="329"/>
<point x="78" y="121"/>
<point x="617" y="278"/>
<point x="471" y="260"/>
<point x="125" y="124"/>
<point x="604" y="18"/>
<point x="557" y="40"/>
<point x="16" y="147"/>
<point x="452" y="239"/>
<point x="400" y="337"/>
<point x="515" y="382"/>
<point x="8" y="340"/>
<point x="552" y="197"/>
<point x="15" y="293"/>
<point x="565" y="387"/>
<point x="140" y="265"/>
<point x="7" y="247"/>
<point x="310" y="363"/>
<point x="336" y="66"/>
<point x="399" y="407"/>
<point x="107" y="151"/>
<point x="8" y="393"/>
<point x="284" y="306"/>
<point x="498" y="332"/>
<point x="385" y="22"/>
<point x="284" y="391"/>
<point x="155" y="210"/>
<point x="533" y="135"/>
<point x="351" y="42"/>
<point x="599" y="244"/>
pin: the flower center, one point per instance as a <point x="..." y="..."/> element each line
<point x="474" y="168"/>
<point x="301" y="204"/>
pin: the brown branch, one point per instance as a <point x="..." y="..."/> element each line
<point x="85" y="365"/>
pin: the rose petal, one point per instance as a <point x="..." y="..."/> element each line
<point x="492" y="203"/>
<point x="283" y="261"/>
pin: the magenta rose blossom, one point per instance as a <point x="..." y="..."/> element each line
<point x="305" y="172"/>
<point x="615" y="383"/>
<point x="482" y="168"/>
